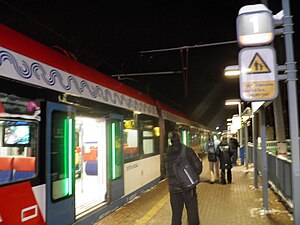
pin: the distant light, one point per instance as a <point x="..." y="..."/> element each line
<point x="217" y="128"/>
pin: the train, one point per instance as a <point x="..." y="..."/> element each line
<point x="76" y="144"/>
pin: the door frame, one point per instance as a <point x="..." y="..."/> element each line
<point x="63" y="210"/>
<point x="116" y="187"/>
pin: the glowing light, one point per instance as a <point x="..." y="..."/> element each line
<point x="253" y="39"/>
<point x="233" y="102"/>
<point x="232" y="71"/>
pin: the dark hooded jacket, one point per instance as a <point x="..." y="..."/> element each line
<point x="172" y="153"/>
<point x="224" y="153"/>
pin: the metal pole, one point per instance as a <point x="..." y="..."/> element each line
<point x="254" y="134"/>
<point x="264" y="158"/>
<point x="293" y="108"/>
<point x="241" y="129"/>
<point x="246" y="145"/>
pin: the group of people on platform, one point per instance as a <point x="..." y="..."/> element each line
<point x="221" y="155"/>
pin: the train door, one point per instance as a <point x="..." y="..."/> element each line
<point x="90" y="164"/>
<point x="60" y="126"/>
<point x="115" y="156"/>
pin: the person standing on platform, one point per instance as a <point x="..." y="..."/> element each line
<point x="217" y="163"/>
<point x="224" y="153"/>
<point x="179" y="197"/>
<point x="233" y="143"/>
<point x="211" y="150"/>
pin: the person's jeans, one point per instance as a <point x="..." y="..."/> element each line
<point x="189" y="199"/>
<point x="214" y="168"/>
<point x="229" y="176"/>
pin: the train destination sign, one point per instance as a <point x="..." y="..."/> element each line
<point x="258" y="80"/>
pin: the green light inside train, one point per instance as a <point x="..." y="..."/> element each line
<point x="62" y="155"/>
<point x="68" y="149"/>
<point x="183" y="137"/>
<point x="115" y="151"/>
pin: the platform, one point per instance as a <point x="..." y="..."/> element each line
<point x="238" y="203"/>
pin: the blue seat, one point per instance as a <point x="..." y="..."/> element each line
<point x="91" y="167"/>
<point x="6" y="169"/>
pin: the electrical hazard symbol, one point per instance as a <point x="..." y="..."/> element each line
<point x="258" y="65"/>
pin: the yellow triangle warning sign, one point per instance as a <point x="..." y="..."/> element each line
<point x="258" y="65"/>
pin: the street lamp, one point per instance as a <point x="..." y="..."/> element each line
<point x="232" y="71"/>
<point x="239" y="104"/>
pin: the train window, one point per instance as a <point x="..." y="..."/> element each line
<point x="18" y="150"/>
<point x="130" y="142"/>
<point x="148" y="142"/>
<point x="150" y="134"/>
<point x="62" y="155"/>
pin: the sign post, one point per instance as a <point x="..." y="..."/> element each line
<point x="257" y="66"/>
<point x="258" y="80"/>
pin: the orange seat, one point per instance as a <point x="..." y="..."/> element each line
<point x="90" y="156"/>
<point x="24" y="167"/>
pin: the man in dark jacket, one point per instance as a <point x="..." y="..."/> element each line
<point x="233" y="143"/>
<point x="224" y="153"/>
<point x="179" y="197"/>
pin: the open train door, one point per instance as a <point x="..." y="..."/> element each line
<point x="115" y="156"/>
<point x="59" y="168"/>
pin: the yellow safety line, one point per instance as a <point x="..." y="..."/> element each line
<point x="152" y="211"/>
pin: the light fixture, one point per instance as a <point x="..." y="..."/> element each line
<point x="232" y="71"/>
<point x="232" y="102"/>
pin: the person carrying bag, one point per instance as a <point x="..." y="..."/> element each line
<point x="183" y="167"/>
<point x="186" y="172"/>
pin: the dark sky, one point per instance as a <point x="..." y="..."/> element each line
<point x="111" y="36"/>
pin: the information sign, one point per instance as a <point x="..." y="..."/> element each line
<point x="254" y="25"/>
<point x="258" y="74"/>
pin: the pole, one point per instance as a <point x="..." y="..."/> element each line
<point x="241" y="128"/>
<point x="246" y="145"/>
<point x="293" y="108"/>
<point x="254" y="134"/>
<point x="264" y="159"/>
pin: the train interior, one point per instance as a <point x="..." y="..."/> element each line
<point x="90" y="163"/>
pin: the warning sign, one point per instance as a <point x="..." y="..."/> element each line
<point x="258" y="65"/>
<point x="258" y="74"/>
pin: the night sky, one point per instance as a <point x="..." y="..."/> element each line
<point x="113" y="37"/>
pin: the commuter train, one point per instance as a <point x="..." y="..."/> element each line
<point x="75" y="144"/>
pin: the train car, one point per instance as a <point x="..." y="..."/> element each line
<point x="75" y="144"/>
